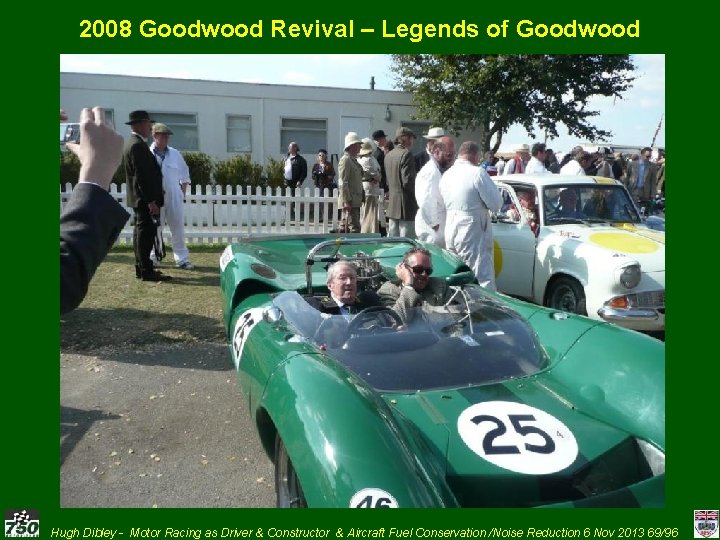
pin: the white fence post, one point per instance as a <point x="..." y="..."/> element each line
<point x="233" y="212"/>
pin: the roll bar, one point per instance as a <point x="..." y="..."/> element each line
<point x="310" y="260"/>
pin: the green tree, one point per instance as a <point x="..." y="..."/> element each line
<point x="491" y="93"/>
<point x="275" y="173"/>
<point x="201" y="167"/>
<point x="238" y="171"/>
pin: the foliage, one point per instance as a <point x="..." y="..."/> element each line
<point x="238" y="170"/>
<point x="275" y="173"/>
<point x="201" y="167"/>
<point x="70" y="170"/>
<point x="491" y="93"/>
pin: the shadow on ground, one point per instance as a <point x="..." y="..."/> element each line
<point x="74" y="424"/>
<point x="86" y="329"/>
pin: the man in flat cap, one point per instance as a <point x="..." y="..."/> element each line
<point x="400" y="170"/>
<point x="176" y="179"/>
<point x="144" y="193"/>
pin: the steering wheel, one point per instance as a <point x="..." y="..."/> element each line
<point x="374" y="319"/>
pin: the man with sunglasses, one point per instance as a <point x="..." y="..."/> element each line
<point x="414" y="285"/>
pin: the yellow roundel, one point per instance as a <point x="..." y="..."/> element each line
<point x="497" y="257"/>
<point x="627" y="243"/>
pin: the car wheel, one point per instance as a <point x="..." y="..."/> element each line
<point x="287" y="484"/>
<point x="566" y="294"/>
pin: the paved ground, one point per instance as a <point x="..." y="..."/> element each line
<point x="162" y="426"/>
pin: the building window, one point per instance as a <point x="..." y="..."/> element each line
<point x="183" y="126"/>
<point x="110" y="117"/>
<point x="239" y="134"/>
<point x="309" y="134"/>
<point x="418" y="128"/>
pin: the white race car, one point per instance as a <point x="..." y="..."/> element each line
<point x="578" y="243"/>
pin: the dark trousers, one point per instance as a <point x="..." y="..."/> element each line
<point x="143" y="239"/>
<point x="292" y="186"/>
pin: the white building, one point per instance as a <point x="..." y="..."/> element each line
<point x="224" y="119"/>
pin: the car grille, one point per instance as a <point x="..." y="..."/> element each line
<point x="651" y="299"/>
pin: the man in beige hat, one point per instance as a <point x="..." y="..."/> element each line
<point x="176" y="179"/>
<point x="350" y="177"/>
<point x="400" y="170"/>
<point x="433" y="134"/>
<point x="519" y="161"/>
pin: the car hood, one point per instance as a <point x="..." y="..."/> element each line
<point x="623" y="239"/>
<point x="522" y="444"/>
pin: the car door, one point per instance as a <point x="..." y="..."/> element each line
<point x="514" y="247"/>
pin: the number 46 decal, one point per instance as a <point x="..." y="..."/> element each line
<point x="373" y="498"/>
<point x="517" y="437"/>
<point x="243" y="325"/>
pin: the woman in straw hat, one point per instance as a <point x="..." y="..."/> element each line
<point x="371" y="178"/>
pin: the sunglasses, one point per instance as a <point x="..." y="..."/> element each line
<point x="420" y="269"/>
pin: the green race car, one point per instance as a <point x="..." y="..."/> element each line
<point x="485" y="401"/>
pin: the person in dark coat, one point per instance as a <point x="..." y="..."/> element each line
<point x="401" y="172"/>
<point x="92" y="219"/>
<point x="144" y="194"/>
<point x="381" y="140"/>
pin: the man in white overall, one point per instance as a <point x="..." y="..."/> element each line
<point x="470" y="195"/>
<point x="176" y="178"/>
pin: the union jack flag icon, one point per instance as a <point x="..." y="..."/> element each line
<point x="706" y="524"/>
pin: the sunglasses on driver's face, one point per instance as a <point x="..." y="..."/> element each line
<point x="420" y="269"/>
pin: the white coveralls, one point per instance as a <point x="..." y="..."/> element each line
<point x="431" y="207"/>
<point x="175" y="172"/>
<point x="469" y="194"/>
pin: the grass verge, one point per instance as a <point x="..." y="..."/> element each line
<point x="121" y="311"/>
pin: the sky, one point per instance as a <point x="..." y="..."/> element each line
<point x="633" y="120"/>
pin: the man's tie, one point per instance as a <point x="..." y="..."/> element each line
<point x="346" y="309"/>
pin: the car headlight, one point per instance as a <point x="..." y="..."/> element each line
<point x="630" y="276"/>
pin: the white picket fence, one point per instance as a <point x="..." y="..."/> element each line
<point x="227" y="213"/>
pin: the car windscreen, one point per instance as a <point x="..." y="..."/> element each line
<point x="588" y="203"/>
<point x="473" y="339"/>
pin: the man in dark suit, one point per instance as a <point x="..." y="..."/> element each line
<point x="144" y="193"/>
<point x="92" y="219"/>
<point x="344" y="298"/>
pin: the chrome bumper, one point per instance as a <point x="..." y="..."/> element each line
<point x="630" y="314"/>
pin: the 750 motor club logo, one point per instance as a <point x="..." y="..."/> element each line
<point x="22" y="524"/>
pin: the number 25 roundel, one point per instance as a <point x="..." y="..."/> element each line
<point x="517" y="437"/>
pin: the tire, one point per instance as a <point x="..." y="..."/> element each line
<point x="287" y="485"/>
<point x="566" y="294"/>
